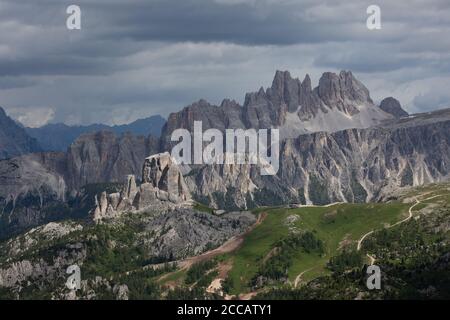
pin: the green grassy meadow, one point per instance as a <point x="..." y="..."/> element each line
<point x="337" y="226"/>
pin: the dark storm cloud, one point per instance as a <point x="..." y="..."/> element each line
<point x="135" y="58"/>
<point x="56" y="65"/>
<point x="15" y="82"/>
<point x="242" y="23"/>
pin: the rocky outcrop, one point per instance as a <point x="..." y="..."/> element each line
<point x="392" y="106"/>
<point x="183" y="232"/>
<point x="46" y="233"/>
<point x="163" y="174"/>
<point x="29" y="270"/>
<point x="14" y="140"/>
<point x="162" y="187"/>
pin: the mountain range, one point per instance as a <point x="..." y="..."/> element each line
<point x="337" y="146"/>
<point x="59" y="136"/>
<point x="340" y="101"/>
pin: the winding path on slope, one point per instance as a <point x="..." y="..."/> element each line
<point x="299" y="277"/>
<point x="372" y="259"/>
<point x="229" y="246"/>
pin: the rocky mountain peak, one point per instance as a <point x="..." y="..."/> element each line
<point x="306" y="84"/>
<point x="343" y="92"/>
<point x="340" y="101"/>
<point x="228" y="103"/>
<point x="353" y="88"/>
<point x="14" y="140"/>
<point x="161" y="171"/>
<point x="281" y="80"/>
<point x="255" y="98"/>
<point x="285" y="90"/>
<point x="393" y="106"/>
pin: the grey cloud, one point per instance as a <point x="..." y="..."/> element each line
<point x="147" y="57"/>
<point x="15" y="82"/>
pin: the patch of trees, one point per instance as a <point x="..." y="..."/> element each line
<point x="201" y="273"/>
<point x="276" y="266"/>
<point x="346" y="260"/>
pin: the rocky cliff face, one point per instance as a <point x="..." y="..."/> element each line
<point x="14" y="140"/>
<point x="329" y="134"/>
<point x="365" y="165"/>
<point x="106" y="157"/>
<point x="161" y="171"/>
<point x="163" y="188"/>
<point x="353" y="165"/>
<point x="32" y="190"/>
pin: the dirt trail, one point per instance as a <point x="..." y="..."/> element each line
<point x="248" y="296"/>
<point x="371" y="258"/>
<point x="410" y="215"/>
<point x="318" y="206"/>
<point x="299" y="277"/>
<point x="358" y="247"/>
<point x="229" y="246"/>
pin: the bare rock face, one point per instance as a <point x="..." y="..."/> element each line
<point x="32" y="270"/>
<point x="104" y="208"/>
<point x="354" y="165"/>
<point x="162" y="187"/>
<point x="343" y="92"/>
<point x="235" y="179"/>
<point x="29" y="189"/>
<point x="104" y="156"/>
<point x="392" y="106"/>
<point x="130" y="188"/>
<point x="161" y="172"/>
<point x="32" y="185"/>
<point x="184" y="232"/>
<point x="14" y="140"/>
<point x="146" y="196"/>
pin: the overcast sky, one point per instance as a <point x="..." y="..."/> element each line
<point x="137" y="58"/>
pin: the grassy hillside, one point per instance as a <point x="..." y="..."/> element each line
<point x="337" y="226"/>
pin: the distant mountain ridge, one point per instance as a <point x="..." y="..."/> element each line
<point x="338" y="102"/>
<point x="14" y="140"/>
<point x="59" y="136"/>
